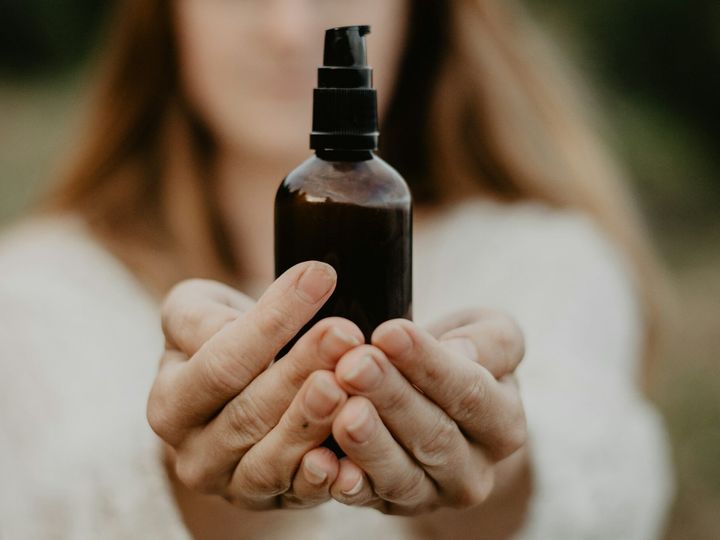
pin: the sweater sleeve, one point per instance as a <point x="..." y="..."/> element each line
<point x="79" y="349"/>
<point x="79" y="346"/>
<point x="599" y="448"/>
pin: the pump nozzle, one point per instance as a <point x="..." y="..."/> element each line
<point x="345" y="103"/>
<point x="345" y="46"/>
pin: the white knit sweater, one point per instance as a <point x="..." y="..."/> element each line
<point x="80" y="342"/>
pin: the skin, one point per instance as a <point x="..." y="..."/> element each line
<point x="440" y="425"/>
<point x="249" y="66"/>
<point x="423" y="416"/>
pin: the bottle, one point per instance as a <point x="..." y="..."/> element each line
<point x="344" y="205"/>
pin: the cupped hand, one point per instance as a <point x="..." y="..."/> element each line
<point x="237" y="424"/>
<point x="431" y="413"/>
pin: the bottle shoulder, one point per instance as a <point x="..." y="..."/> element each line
<point x="371" y="182"/>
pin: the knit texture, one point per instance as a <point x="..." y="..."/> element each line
<point x="81" y="340"/>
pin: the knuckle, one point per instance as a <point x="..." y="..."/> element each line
<point x="429" y="374"/>
<point x="244" y="420"/>
<point x="396" y="400"/>
<point x="435" y="449"/>
<point x="222" y="375"/>
<point x="264" y="482"/>
<point x="194" y="474"/>
<point x="273" y="320"/>
<point x="185" y="320"/>
<point x="470" y="399"/>
<point x="299" y="496"/>
<point x="516" y="439"/>
<point x="512" y="439"/>
<point x="509" y="337"/>
<point x="474" y="493"/>
<point x="159" y="416"/>
<point x="294" y="370"/>
<point x="407" y="490"/>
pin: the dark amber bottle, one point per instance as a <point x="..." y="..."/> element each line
<point x="345" y="206"/>
<point x="354" y="212"/>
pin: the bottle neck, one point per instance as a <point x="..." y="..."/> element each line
<point x="344" y="155"/>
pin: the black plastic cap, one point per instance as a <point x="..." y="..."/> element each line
<point x="345" y="103"/>
<point x="345" y="46"/>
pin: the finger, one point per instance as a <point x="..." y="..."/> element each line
<point x="395" y="477"/>
<point x="193" y="312"/>
<point x="242" y="349"/>
<point x="256" y="410"/>
<point x="353" y="488"/>
<point x="196" y="309"/>
<point x="268" y="468"/>
<point x="487" y="411"/>
<point x="455" y="320"/>
<point x="431" y="437"/>
<point x="311" y="485"/>
<point x="494" y="341"/>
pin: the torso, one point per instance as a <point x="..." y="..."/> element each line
<point x="92" y="465"/>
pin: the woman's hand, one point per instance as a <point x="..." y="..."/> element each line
<point x="240" y="425"/>
<point x="429" y="417"/>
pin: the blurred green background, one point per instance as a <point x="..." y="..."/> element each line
<point x="655" y="66"/>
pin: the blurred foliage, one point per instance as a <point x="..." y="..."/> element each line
<point x="40" y="36"/>
<point x="666" y="52"/>
<point x="658" y="62"/>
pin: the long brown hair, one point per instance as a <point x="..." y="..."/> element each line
<point x="500" y="117"/>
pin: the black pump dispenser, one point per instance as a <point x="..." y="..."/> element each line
<point x="344" y="205"/>
<point x="345" y="103"/>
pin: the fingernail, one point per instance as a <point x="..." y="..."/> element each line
<point x="397" y="341"/>
<point x="313" y="474"/>
<point x="355" y="489"/>
<point x="464" y="346"/>
<point x="365" y="374"/>
<point x="322" y="397"/>
<point x="315" y="282"/>
<point x="361" y="429"/>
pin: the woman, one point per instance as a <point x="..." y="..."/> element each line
<point x="204" y="106"/>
